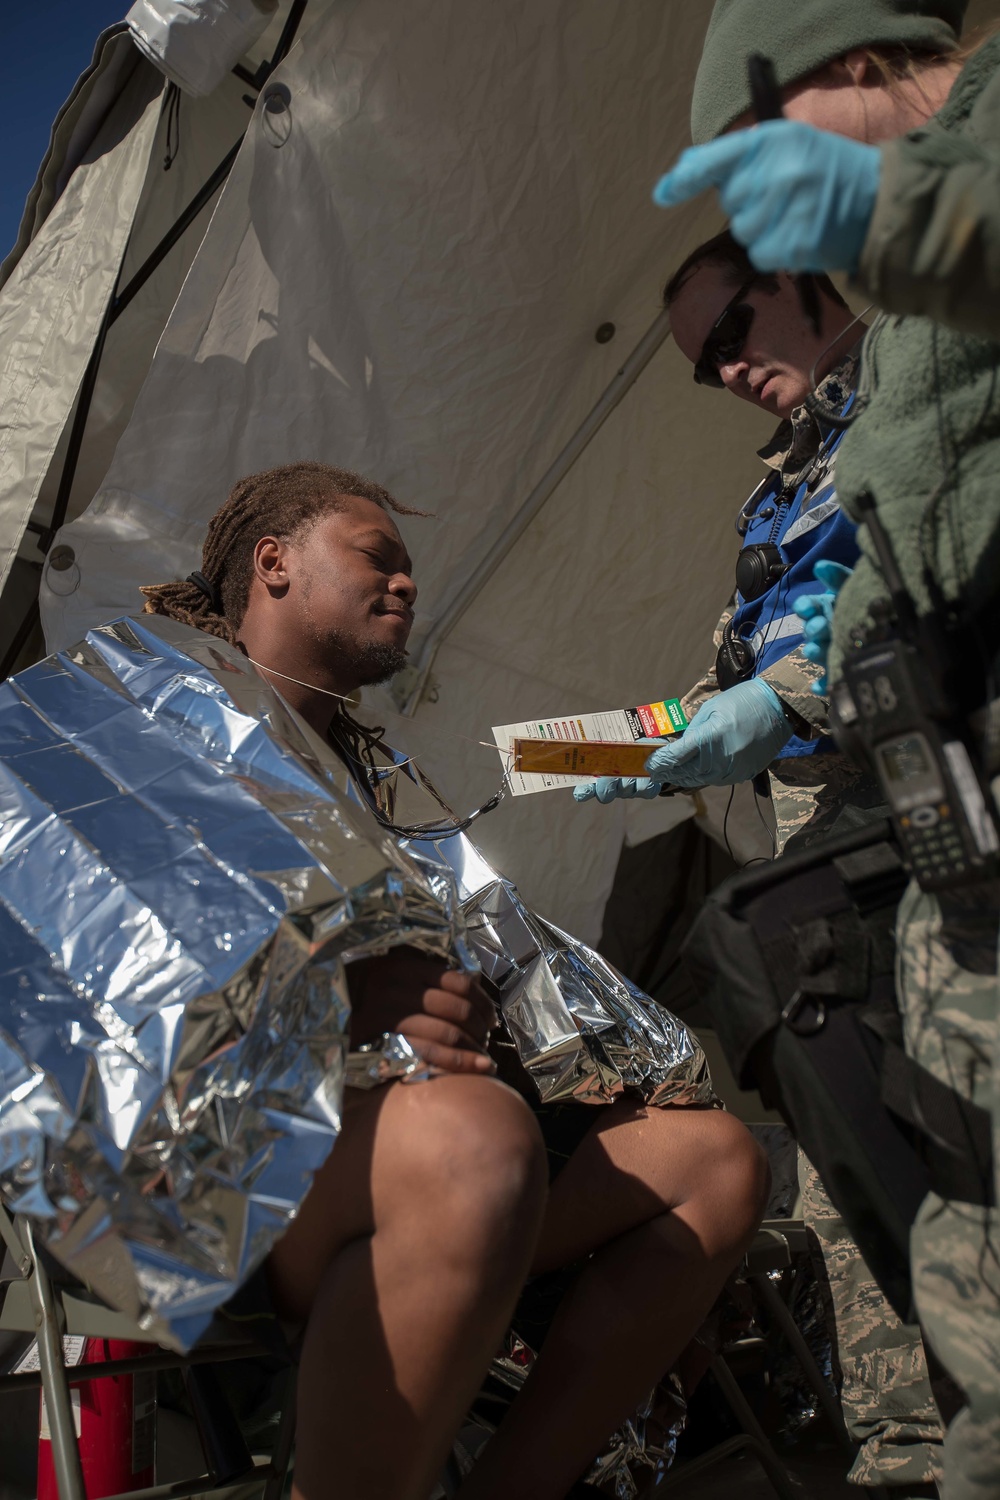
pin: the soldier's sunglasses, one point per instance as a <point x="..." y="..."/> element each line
<point x="726" y="338"/>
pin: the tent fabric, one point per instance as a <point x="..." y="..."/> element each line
<point x="74" y="132"/>
<point x="200" y="135"/>
<point x="435" y="208"/>
<point x="433" y="211"/>
<point x="56" y="294"/>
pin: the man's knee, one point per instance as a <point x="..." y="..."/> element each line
<point x="476" y="1146"/>
<point x="743" y="1175"/>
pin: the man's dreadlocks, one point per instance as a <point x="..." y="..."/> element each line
<point x="276" y="502"/>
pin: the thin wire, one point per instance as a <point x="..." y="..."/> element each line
<point x="370" y="775"/>
<point x="768" y="830"/>
<point x="838" y="420"/>
<point x="345" y="698"/>
<point x="813" y="382"/>
<point x="725" y="827"/>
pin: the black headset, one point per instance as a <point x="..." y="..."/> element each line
<point x="735" y="659"/>
<point x="758" y="568"/>
<point x="760" y="565"/>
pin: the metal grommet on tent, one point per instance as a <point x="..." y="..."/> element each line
<point x="62" y="572"/>
<point x="276" y="114"/>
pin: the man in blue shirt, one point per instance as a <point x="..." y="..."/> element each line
<point x="754" y="709"/>
<point x="754" y="715"/>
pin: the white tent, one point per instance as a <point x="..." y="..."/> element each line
<point x="434" y="208"/>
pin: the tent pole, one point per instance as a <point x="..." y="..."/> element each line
<point x="19" y="639"/>
<point x="623" y="381"/>
<point x="288" y="34"/>
<point x="257" y="80"/>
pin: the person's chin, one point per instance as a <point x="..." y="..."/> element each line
<point x="380" y="661"/>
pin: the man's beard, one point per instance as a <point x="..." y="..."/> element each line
<point x="376" y="662"/>
<point x="365" y="663"/>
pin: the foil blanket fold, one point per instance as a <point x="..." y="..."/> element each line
<point x="186" y="871"/>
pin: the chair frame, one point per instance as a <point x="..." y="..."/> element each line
<point x="31" y="1302"/>
<point x="771" y="1250"/>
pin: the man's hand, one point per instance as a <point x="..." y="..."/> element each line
<point x="445" y="1015"/>
<point x="798" y="198"/>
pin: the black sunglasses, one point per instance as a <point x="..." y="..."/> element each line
<point x="726" y="338"/>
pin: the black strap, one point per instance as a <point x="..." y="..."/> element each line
<point x="208" y="589"/>
<point x="954" y="1134"/>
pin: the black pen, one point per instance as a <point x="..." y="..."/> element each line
<point x="765" y="98"/>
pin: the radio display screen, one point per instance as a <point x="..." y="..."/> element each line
<point x="908" y="772"/>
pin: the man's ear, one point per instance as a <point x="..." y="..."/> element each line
<point x="269" y="558"/>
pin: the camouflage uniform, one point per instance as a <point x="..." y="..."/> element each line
<point x="947" y="983"/>
<point x="928" y="453"/>
<point x="885" y="1393"/>
<point x="885" y="1390"/>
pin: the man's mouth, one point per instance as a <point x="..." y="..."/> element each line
<point x="764" y="387"/>
<point x="399" y="611"/>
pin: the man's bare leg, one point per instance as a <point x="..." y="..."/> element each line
<point x="674" y="1198"/>
<point x="407" y="1258"/>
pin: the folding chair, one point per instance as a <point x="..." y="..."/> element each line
<point x="32" y="1301"/>
<point x="772" y="1250"/>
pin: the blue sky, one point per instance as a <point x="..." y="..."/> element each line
<point x="46" y="45"/>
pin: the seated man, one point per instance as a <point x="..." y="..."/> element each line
<point x="408" y="1254"/>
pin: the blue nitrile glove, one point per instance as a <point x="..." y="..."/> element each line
<point x="798" y="198"/>
<point x="817" y="611"/>
<point x="611" y="788"/>
<point x="731" y="737"/>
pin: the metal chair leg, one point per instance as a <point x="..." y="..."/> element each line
<point x="55" y="1386"/>
<point x="772" y="1300"/>
<point x="757" y="1437"/>
<point x="222" y="1441"/>
<point x="692" y="1467"/>
<point x="281" y="1458"/>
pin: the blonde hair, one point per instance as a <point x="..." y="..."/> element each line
<point x="900" y="65"/>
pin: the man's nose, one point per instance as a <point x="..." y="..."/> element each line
<point x="734" y="374"/>
<point x="403" y="587"/>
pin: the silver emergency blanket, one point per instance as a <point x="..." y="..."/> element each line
<point x="181" y="884"/>
<point x="582" y="1031"/>
<point x="185" y="871"/>
<point x="636" y="1457"/>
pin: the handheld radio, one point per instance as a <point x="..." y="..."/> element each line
<point x="893" y="710"/>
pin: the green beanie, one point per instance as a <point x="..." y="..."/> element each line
<point x="800" y="36"/>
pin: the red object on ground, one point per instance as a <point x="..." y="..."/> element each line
<point x="116" y="1426"/>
